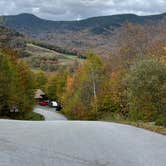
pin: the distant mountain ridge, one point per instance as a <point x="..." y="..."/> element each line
<point x="32" y="24"/>
<point x="92" y="33"/>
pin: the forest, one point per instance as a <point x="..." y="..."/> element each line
<point x="128" y="85"/>
<point x="17" y="87"/>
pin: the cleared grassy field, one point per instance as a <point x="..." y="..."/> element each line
<point x="59" y="59"/>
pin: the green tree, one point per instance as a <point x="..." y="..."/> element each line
<point x="16" y="87"/>
<point x="56" y="85"/>
<point x="146" y="90"/>
<point x="40" y="80"/>
<point x="81" y="99"/>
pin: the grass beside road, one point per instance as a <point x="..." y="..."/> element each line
<point x="147" y="126"/>
<point x="34" y="117"/>
<point x="31" y="116"/>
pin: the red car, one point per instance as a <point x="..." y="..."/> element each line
<point x="43" y="103"/>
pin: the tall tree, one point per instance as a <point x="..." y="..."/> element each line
<point x="81" y="99"/>
<point x="16" y="87"/>
<point x="146" y="89"/>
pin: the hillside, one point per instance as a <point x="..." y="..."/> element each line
<point x="93" y="33"/>
<point x="38" y="57"/>
<point x="11" y="39"/>
<point x="30" y="24"/>
<point x="48" y="60"/>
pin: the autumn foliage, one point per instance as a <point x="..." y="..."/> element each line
<point x="16" y="86"/>
<point x="128" y="85"/>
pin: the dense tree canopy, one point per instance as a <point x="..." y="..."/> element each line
<point x="16" y="87"/>
<point x="146" y="89"/>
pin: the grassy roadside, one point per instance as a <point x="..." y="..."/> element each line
<point x="147" y="126"/>
<point x="31" y="116"/>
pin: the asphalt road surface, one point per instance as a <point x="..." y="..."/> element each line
<point x="49" y="113"/>
<point x="76" y="143"/>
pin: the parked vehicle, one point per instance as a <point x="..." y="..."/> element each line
<point x="55" y="105"/>
<point x="58" y="108"/>
<point x="43" y="103"/>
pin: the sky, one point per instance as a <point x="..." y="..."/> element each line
<point x="80" y="9"/>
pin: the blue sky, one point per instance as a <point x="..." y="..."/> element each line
<point x="80" y="9"/>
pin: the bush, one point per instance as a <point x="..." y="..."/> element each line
<point x="24" y="54"/>
<point x="161" y="120"/>
<point x="105" y="104"/>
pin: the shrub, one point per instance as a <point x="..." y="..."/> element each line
<point x="161" y="120"/>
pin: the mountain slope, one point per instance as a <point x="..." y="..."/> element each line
<point x="93" y="33"/>
<point x="30" y="23"/>
<point x="11" y="39"/>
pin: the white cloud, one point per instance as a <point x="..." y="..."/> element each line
<point x="79" y="9"/>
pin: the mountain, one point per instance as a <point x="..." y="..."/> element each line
<point x="33" y="25"/>
<point x="93" y="33"/>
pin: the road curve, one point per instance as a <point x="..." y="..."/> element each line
<point x="76" y="143"/>
<point x="49" y="113"/>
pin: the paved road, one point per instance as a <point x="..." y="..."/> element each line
<point x="49" y="113"/>
<point x="76" y="143"/>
